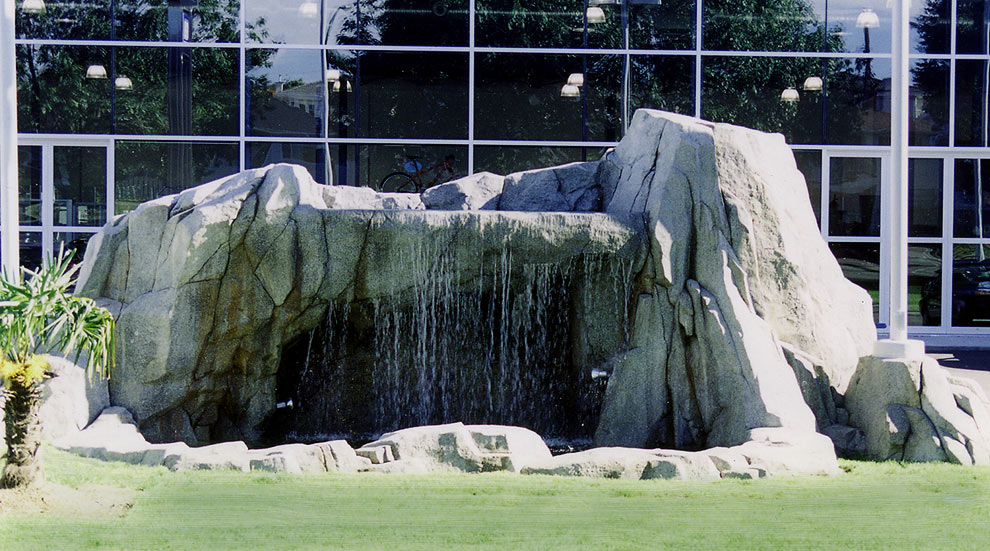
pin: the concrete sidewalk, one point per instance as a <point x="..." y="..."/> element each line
<point x="974" y="364"/>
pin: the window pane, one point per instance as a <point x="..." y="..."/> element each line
<point x="662" y="82"/>
<point x="860" y="263"/>
<point x="810" y="164"/>
<point x="155" y="20"/>
<point x="853" y="27"/>
<point x="662" y="25"/>
<point x="310" y="155"/>
<point x="542" y="24"/>
<point x="29" y="179"/>
<point x="971" y="198"/>
<point x="972" y="87"/>
<point x="971" y="286"/>
<point x="54" y="95"/>
<point x="930" y="26"/>
<point x="285" y="93"/>
<point x="508" y="159"/>
<point x="369" y="165"/>
<point x="146" y="170"/>
<point x="854" y="197"/>
<point x="67" y="20"/>
<point x="415" y="22"/>
<point x="924" y="285"/>
<point x="413" y="95"/>
<point x="858" y="97"/>
<point x="30" y="251"/>
<point x="747" y="91"/>
<point x="794" y="26"/>
<point x="925" y="197"/>
<point x="972" y="20"/>
<point x="298" y="21"/>
<point x="72" y="241"/>
<point x="518" y="96"/>
<point x="80" y="184"/>
<point x="196" y="94"/>
<point x="929" y="102"/>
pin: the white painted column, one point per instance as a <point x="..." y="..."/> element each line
<point x="898" y="345"/>
<point x="8" y="143"/>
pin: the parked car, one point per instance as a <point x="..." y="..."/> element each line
<point x="970" y="294"/>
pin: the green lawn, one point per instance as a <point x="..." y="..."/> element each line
<point x="874" y="506"/>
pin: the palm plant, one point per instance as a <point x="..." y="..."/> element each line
<point x="39" y="315"/>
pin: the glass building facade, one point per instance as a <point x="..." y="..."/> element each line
<point x="121" y="101"/>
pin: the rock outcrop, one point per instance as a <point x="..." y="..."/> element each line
<point x="739" y="286"/>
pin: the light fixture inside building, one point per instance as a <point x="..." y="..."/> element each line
<point x="867" y="19"/>
<point x="123" y="83"/>
<point x="96" y="71"/>
<point x="576" y="79"/>
<point x="595" y="15"/>
<point x="570" y="91"/>
<point x="309" y="9"/>
<point x="336" y="86"/>
<point x="333" y="75"/>
<point x="789" y="95"/>
<point x="33" y="6"/>
<point x="813" y="84"/>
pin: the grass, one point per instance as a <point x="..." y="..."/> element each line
<point x="874" y="506"/>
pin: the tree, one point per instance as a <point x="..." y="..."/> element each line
<point x="38" y="315"/>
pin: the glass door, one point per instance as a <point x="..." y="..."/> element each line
<point x="63" y="196"/>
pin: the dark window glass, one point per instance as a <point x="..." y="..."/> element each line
<point x="925" y="197"/>
<point x="29" y="182"/>
<point x="415" y="22"/>
<point x="786" y="25"/>
<point x="665" y="25"/>
<point x="54" y="94"/>
<point x="509" y="159"/>
<point x="810" y="165"/>
<point x="972" y="22"/>
<point x="413" y="95"/>
<point x="929" y="102"/>
<point x="66" y="20"/>
<point x="924" y="285"/>
<point x="971" y="198"/>
<point x="748" y="91"/>
<point x="310" y="155"/>
<point x="858" y="101"/>
<point x="519" y="96"/>
<point x="859" y="27"/>
<point x="369" y="165"/>
<point x="930" y="26"/>
<point x="30" y="250"/>
<point x="286" y="93"/>
<point x="972" y="92"/>
<point x="854" y="197"/>
<point x="971" y="286"/>
<point x="196" y="94"/>
<point x="860" y="263"/>
<point x="662" y="82"/>
<point x="79" y="177"/>
<point x="548" y="24"/>
<point x="202" y="21"/>
<point x="299" y="21"/>
<point x="146" y="170"/>
<point x="72" y="241"/>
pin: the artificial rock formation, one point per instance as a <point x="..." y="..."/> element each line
<point x="738" y="318"/>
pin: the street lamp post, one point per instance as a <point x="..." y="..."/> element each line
<point x="8" y="143"/>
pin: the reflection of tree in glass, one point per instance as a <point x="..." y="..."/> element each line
<point x="55" y="96"/>
<point x="931" y="75"/>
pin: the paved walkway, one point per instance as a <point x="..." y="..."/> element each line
<point x="974" y="364"/>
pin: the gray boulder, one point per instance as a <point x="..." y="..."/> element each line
<point x="478" y="191"/>
<point x="570" y="187"/>
<point x="459" y="447"/>
<point x="911" y="410"/>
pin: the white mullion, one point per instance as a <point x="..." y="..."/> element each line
<point x="47" y="200"/>
<point x="697" y="58"/>
<point x="242" y="88"/>
<point x="948" y="209"/>
<point x="952" y="74"/>
<point x="111" y="178"/>
<point x="824" y="174"/>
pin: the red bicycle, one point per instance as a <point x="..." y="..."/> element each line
<point x="413" y="178"/>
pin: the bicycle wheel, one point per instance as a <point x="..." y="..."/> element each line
<point x="398" y="181"/>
